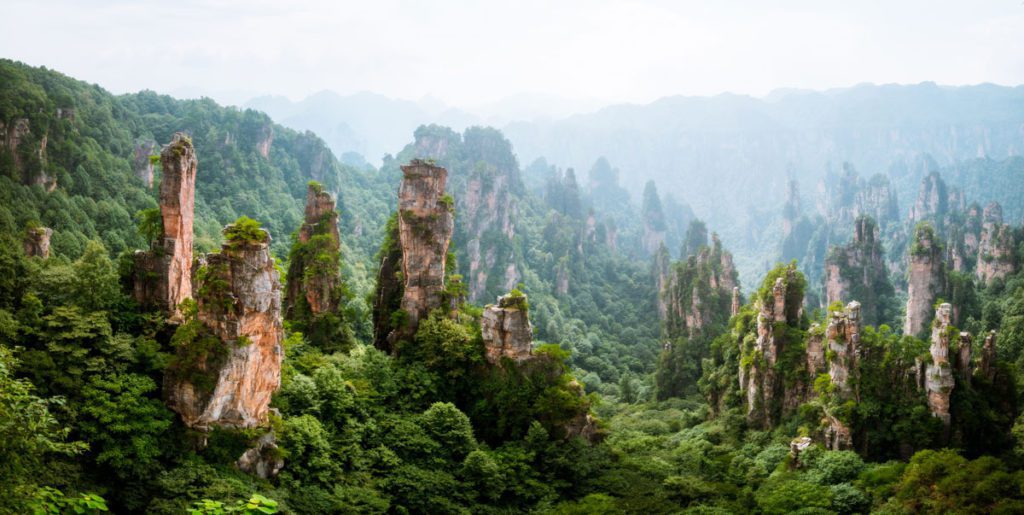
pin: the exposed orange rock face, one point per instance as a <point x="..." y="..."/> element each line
<point x="321" y="218"/>
<point x="926" y="280"/>
<point x="163" y="275"/>
<point x="425" y="226"/>
<point x="939" y="380"/>
<point x="506" y="330"/>
<point x="995" y="247"/>
<point x="37" y="242"/>
<point x="239" y="302"/>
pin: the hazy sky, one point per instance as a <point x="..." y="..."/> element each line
<point x="468" y="53"/>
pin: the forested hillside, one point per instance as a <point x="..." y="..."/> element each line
<point x="461" y="332"/>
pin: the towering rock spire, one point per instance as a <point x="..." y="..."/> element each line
<point x="163" y="275"/>
<point x="314" y="290"/>
<point x="995" y="247"/>
<point x="425" y="225"/>
<point x="987" y="362"/>
<point x="857" y="270"/>
<point x="926" y="281"/>
<point x="843" y="335"/>
<point x="229" y="361"/>
<point x="939" y="381"/>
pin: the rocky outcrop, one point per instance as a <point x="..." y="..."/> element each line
<point x="766" y="394"/>
<point x="37" y="242"/>
<point x="877" y="199"/>
<point x="425" y="226"/>
<point x="487" y="213"/>
<point x="791" y="209"/>
<point x="265" y="141"/>
<point x="987" y="361"/>
<point x="843" y="337"/>
<point x="14" y="136"/>
<point x="995" y="246"/>
<point x="142" y="165"/>
<point x="963" y="359"/>
<point x="932" y="200"/>
<point x="939" y="380"/>
<point x="697" y="291"/>
<point x="225" y="376"/>
<point x="505" y="329"/>
<point x="858" y="270"/>
<point x="734" y="308"/>
<point x="264" y="460"/>
<point x="926" y="279"/>
<point x="163" y="275"/>
<point x="313" y="272"/>
<point x="661" y="269"/>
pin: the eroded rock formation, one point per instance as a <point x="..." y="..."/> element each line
<point x="313" y="268"/>
<point x="425" y="226"/>
<point x="163" y="275"/>
<point x="995" y="246"/>
<point x="697" y="291"/>
<point x="141" y="163"/>
<point x="926" y="279"/>
<point x="264" y="460"/>
<point x="857" y="270"/>
<point x="505" y="329"/>
<point x="939" y="380"/>
<point x="767" y="396"/>
<point x="37" y="242"/>
<point x="987" y="361"/>
<point x="226" y="374"/>
<point x="487" y="212"/>
<point x="843" y="337"/>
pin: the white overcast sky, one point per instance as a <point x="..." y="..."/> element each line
<point x="468" y="53"/>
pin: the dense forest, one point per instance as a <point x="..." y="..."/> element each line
<point x="203" y="311"/>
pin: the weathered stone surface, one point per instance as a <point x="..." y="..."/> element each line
<point x="163" y="275"/>
<point x="505" y="329"/>
<point x="987" y="362"/>
<point x="661" y="270"/>
<point x="264" y="460"/>
<point x="696" y="291"/>
<point x="316" y="282"/>
<point x="265" y="141"/>
<point x="734" y="308"/>
<point x="859" y="267"/>
<point x="141" y="164"/>
<point x="963" y="359"/>
<point x="239" y="302"/>
<point x="796" y="447"/>
<point x="37" y="242"/>
<point x="815" y="351"/>
<point x="995" y="246"/>
<point x="425" y="226"/>
<point x="932" y="200"/>
<point x="488" y="211"/>
<point x="926" y="279"/>
<point x="939" y="381"/>
<point x="843" y="337"/>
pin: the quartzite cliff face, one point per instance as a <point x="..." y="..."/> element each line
<point x="163" y="275"/>
<point x="696" y="291"/>
<point x="926" y="279"/>
<point x="939" y="380"/>
<point x="425" y="226"/>
<point x="239" y="304"/>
